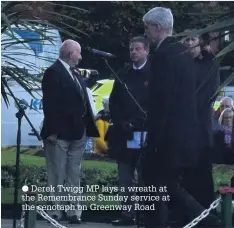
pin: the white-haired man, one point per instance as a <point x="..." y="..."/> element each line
<point x="172" y="119"/>
<point x="68" y="119"/>
<point x="226" y="102"/>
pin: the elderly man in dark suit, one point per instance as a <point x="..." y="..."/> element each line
<point x="68" y="119"/>
<point x="172" y="119"/>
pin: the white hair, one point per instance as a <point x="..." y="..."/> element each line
<point x="228" y="100"/>
<point x="160" y="15"/>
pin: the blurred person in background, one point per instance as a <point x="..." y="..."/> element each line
<point x="224" y="138"/>
<point x="226" y="121"/>
<point x="225" y="102"/>
<point x="103" y="122"/>
<point x="127" y="118"/>
<point x="199" y="180"/>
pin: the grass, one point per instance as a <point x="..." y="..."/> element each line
<point x="8" y="157"/>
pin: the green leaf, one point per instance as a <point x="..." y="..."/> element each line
<point x="24" y="62"/>
<point x="70" y="18"/>
<point x="72" y="27"/>
<point x="221" y="87"/>
<point x="226" y="50"/>
<point x="33" y="28"/>
<point x="60" y="29"/>
<point x="18" y="79"/>
<point x="7" y="22"/>
<point x="66" y="6"/>
<point x="217" y="27"/>
<point x="3" y="92"/>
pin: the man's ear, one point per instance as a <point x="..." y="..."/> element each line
<point x="158" y="26"/>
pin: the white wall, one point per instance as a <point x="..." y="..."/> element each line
<point x="9" y="120"/>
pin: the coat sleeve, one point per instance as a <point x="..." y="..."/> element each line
<point x="160" y="98"/>
<point x="51" y="93"/>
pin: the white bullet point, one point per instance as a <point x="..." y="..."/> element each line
<point x="25" y="188"/>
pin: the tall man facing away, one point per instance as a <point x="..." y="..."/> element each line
<point x="128" y="118"/>
<point x="68" y="120"/>
<point x="172" y="119"/>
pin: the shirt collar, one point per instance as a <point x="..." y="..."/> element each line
<point x="65" y="65"/>
<point x="140" y="67"/>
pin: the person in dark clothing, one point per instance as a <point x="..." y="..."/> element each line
<point x="127" y="118"/>
<point x="172" y="120"/>
<point x="198" y="181"/>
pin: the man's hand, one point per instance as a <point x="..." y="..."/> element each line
<point x="52" y="138"/>
<point x="126" y="126"/>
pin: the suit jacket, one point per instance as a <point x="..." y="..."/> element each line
<point x="124" y="110"/>
<point x="65" y="112"/>
<point x="137" y="83"/>
<point x="172" y="111"/>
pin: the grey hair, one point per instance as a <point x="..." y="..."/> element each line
<point x="160" y="15"/>
<point x="228" y="100"/>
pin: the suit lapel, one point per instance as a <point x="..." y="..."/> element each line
<point x="68" y="77"/>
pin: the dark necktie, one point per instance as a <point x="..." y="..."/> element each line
<point x="78" y="85"/>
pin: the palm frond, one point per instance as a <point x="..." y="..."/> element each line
<point x="227" y="25"/>
<point x="4" y="94"/>
<point x="226" y="50"/>
<point x="70" y="7"/>
<point x="220" y="89"/>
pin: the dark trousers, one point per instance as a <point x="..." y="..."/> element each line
<point x="198" y="182"/>
<point x="160" y="175"/>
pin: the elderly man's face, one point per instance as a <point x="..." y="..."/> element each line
<point x="225" y="104"/>
<point x="75" y="55"/>
<point x="152" y="32"/>
<point x="138" y="53"/>
<point x="227" y="118"/>
<point x="193" y="43"/>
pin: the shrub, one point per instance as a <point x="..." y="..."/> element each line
<point x="37" y="175"/>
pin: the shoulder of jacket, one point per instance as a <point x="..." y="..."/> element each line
<point x="123" y="71"/>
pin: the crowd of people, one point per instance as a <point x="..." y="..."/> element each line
<point x="163" y="101"/>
